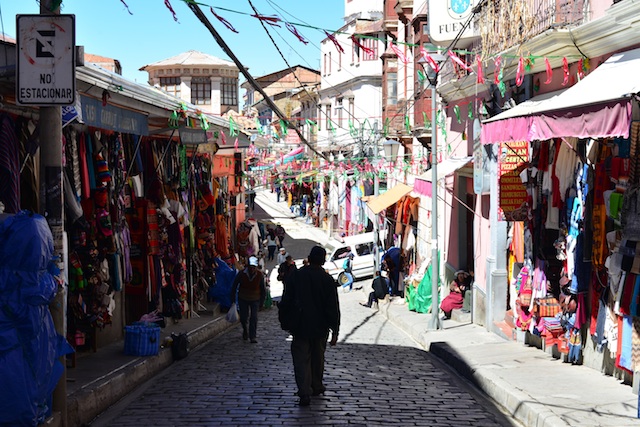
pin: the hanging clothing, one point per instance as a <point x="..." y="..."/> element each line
<point x="9" y="166"/>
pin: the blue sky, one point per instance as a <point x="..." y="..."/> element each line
<point x="150" y="34"/>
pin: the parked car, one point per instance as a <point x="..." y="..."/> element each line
<point x="362" y="246"/>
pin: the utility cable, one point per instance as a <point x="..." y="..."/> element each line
<point x="200" y="15"/>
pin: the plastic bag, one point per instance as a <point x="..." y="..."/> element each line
<point x="232" y="314"/>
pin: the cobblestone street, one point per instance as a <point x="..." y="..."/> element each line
<point x="376" y="375"/>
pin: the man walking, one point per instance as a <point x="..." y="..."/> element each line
<point x="311" y="309"/>
<point x="252" y="291"/>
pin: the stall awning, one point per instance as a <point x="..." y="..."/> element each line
<point x="598" y="106"/>
<point x="445" y="168"/>
<point x="391" y="196"/>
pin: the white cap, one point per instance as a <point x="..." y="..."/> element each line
<point x="282" y="249"/>
<point x="253" y="261"/>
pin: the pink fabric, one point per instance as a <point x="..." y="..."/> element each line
<point x="422" y="187"/>
<point x="451" y="302"/>
<point x="595" y="121"/>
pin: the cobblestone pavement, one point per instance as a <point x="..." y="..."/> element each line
<point x="376" y="376"/>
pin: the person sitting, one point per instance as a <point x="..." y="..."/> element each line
<point x="380" y="290"/>
<point x="457" y="288"/>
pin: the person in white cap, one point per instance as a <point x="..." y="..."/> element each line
<point x="251" y="290"/>
<point x="282" y="256"/>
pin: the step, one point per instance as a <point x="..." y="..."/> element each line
<point x="461" y="316"/>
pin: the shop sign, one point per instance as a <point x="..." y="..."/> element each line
<point x="46" y="64"/>
<point x="113" y="118"/>
<point x="447" y="18"/>
<point x="190" y="136"/>
<point x="512" y="160"/>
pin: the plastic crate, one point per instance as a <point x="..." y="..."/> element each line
<point x="142" y="340"/>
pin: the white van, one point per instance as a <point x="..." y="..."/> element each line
<point x="362" y="248"/>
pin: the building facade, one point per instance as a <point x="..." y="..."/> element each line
<point x="198" y="78"/>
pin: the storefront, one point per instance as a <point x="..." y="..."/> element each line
<point x="567" y="185"/>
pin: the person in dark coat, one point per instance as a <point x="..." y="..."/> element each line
<point x="314" y="291"/>
<point x="380" y="290"/>
<point x="252" y="291"/>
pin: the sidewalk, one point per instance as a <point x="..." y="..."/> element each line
<point x="531" y="385"/>
<point x="534" y="388"/>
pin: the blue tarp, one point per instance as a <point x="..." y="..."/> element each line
<point x="221" y="291"/>
<point x="29" y="344"/>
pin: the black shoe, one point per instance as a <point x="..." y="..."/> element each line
<point x="319" y="392"/>
<point x="304" y="401"/>
<point x="365" y="305"/>
<point x="245" y="335"/>
<point x="253" y="340"/>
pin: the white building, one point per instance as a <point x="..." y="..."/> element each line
<point x="350" y="107"/>
<point x="204" y="80"/>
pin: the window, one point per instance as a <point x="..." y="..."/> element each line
<point x="329" y="63"/>
<point x="171" y="85"/>
<point x="339" y="111"/>
<point x="319" y="118"/>
<point x="372" y="53"/>
<point x="339" y="61"/>
<point x="328" y="117"/>
<point x="229" y="94"/>
<point x="425" y="29"/>
<point x="351" y="108"/>
<point x="201" y="91"/>
<point x="364" y="249"/>
<point x="324" y="65"/>
<point x="392" y="88"/>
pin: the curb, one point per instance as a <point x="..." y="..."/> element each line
<point x="87" y="403"/>
<point x="517" y="403"/>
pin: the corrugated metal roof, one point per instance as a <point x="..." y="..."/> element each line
<point x="191" y="58"/>
<point x="368" y="27"/>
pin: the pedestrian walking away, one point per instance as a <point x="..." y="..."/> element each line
<point x="271" y="246"/>
<point x="251" y="290"/>
<point x="310" y="310"/>
<point x="280" y="234"/>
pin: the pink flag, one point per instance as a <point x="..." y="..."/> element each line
<point x="480" y="79"/>
<point x="565" y="69"/>
<point x="459" y="61"/>
<point x="520" y="72"/>
<point x="335" y="41"/>
<point x="401" y="56"/>
<point x="549" y="71"/>
<point x="430" y="60"/>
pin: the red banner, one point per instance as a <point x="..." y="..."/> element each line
<point x="513" y="159"/>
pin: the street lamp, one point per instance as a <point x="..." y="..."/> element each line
<point x="432" y="77"/>
<point x="391" y="148"/>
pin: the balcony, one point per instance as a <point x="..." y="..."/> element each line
<point x="506" y="23"/>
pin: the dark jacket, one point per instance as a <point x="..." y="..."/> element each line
<point x="315" y="291"/>
<point x="380" y="287"/>
<point x="250" y="289"/>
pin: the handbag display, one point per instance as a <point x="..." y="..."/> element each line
<point x="546" y="307"/>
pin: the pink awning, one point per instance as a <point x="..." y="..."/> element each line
<point x="595" y="121"/>
<point x="598" y="106"/>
